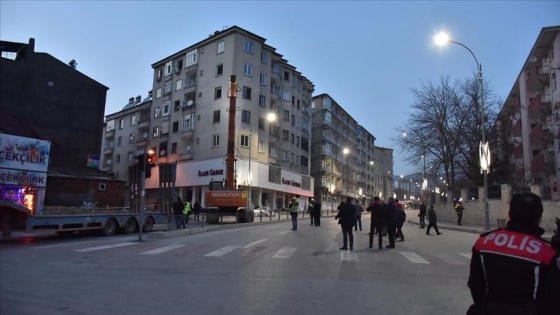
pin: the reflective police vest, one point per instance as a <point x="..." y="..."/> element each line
<point x="295" y="206"/>
<point x="187" y="208"/>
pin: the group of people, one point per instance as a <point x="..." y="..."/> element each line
<point x="182" y="211"/>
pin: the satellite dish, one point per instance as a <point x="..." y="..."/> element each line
<point x="145" y="134"/>
<point x="533" y="59"/>
<point x="162" y="152"/>
<point x="189" y="103"/>
<point x="188" y="148"/>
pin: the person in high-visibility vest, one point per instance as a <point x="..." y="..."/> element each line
<point x="294" y="210"/>
<point x="187" y="210"/>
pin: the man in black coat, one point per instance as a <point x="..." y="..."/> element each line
<point x="377" y="217"/>
<point x="347" y="219"/>
<point x="317" y="213"/>
<point x="178" y="212"/>
<point x="391" y="221"/>
<point x="422" y="215"/>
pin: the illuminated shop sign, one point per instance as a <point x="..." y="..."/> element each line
<point x="22" y="178"/>
<point x="20" y="153"/>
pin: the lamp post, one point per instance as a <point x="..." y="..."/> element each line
<point x="442" y="39"/>
<point x="345" y="151"/>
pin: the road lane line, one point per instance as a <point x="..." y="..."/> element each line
<point x="284" y="252"/>
<point x="346" y="255"/>
<point x="414" y="258"/>
<point x="450" y="260"/>
<point x="255" y="243"/>
<point x="162" y="249"/>
<point x="222" y="251"/>
<point x="285" y="232"/>
<point x="468" y="255"/>
<point x="91" y="249"/>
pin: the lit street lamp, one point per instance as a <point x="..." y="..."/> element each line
<point x="484" y="151"/>
<point x="345" y="151"/>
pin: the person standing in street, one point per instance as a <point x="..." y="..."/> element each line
<point x="391" y="217"/>
<point x="377" y="217"/>
<point x="178" y="212"/>
<point x="359" y="210"/>
<point x="422" y="215"/>
<point x="187" y="210"/>
<point x="514" y="271"/>
<point x="294" y="211"/>
<point x="347" y="218"/>
<point x="459" y="210"/>
<point x="197" y="208"/>
<point x="401" y="218"/>
<point x="432" y="221"/>
<point x="317" y="213"/>
<point x="310" y="211"/>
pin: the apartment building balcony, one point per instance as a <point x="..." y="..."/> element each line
<point x="538" y="164"/>
<point x="109" y="134"/>
<point x="143" y="140"/>
<point x="144" y="122"/>
<point x="185" y="156"/>
<point x="516" y="129"/>
<point x="188" y="105"/>
<point x="518" y="151"/>
<point x="108" y="149"/>
<point x="540" y="107"/>
<point x="187" y="133"/>
<point x="537" y="79"/>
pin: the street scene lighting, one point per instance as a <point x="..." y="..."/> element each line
<point x="442" y="39"/>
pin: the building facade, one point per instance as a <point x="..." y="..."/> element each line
<point x="527" y="129"/>
<point x="188" y="120"/>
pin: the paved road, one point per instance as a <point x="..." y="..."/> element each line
<point x="251" y="269"/>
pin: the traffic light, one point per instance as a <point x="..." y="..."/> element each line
<point x="150" y="162"/>
<point x="141" y="161"/>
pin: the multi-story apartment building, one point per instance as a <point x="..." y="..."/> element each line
<point x="189" y="120"/>
<point x="347" y="163"/>
<point x="527" y="130"/>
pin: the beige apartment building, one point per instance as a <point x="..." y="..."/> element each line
<point x="185" y="120"/>
<point x="347" y="161"/>
<point x="527" y="129"/>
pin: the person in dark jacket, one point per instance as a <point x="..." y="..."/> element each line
<point x="422" y="215"/>
<point x="513" y="270"/>
<point x="401" y="218"/>
<point x="391" y="221"/>
<point x="432" y="220"/>
<point x="347" y="218"/>
<point x="377" y="217"/>
<point x="178" y="212"/>
<point x="317" y="213"/>
<point x="197" y="208"/>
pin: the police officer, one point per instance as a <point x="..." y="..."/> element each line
<point x="187" y="210"/>
<point x="513" y="270"/>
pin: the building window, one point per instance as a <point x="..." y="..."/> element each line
<point x="130" y="157"/>
<point x="220" y="47"/>
<point x="155" y="132"/>
<point x="174" y="148"/>
<point x="284" y="155"/>
<point x="158" y="92"/>
<point x="133" y="120"/>
<point x="292" y="138"/>
<point x="215" y="140"/>
<point x="246" y="116"/>
<point x="285" y="135"/>
<point x="175" y="127"/>
<point x="165" y="127"/>
<point x="262" y="101"/>
<point x="260" y="146"/>
<point x="286" y="76"/>
<point x="264" y="56"/>
<point x="247" y="92"/>
<point x="249" y="46"/>
<point x="177" y="105"/>
<point x="219" y="70"/>
<point x="131" y="138"/>
<point x="275" y="89"/>
<point x="263" y="79"/>
<point x="216" y="116"/>
<point x="166" y="108"/>
<point x="159" y="74"/>
<point x="178" y="85"/>
<point x="118" y="158"/>
<point x="248" y="70"/>
<point x="293" y="121"/>
<point x="244" y="141"/>
<point x="286" y="96"/>
<point x="167" y="87"/>
<point x="121" y="123"/>
<point x="218" y="92"/>
<point x="168" y="67"/>
<point x="119" y="141"/>
<point x="157" y="112"/>
<point x="188" y="122"/>
<point x="261" y="123"/>
<point x="191" y="58"/>
<point x="179" y="64"/>
<point x="285" y="115"/>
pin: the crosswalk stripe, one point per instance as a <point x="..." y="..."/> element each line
<point x="255" y="243"/>
<point x="468" y="255"/>
<point x="222" y="251"/>
<point x="450" y="260"/>
<point x="162" y="249"/>
<point x="414" y="258"/>
<point x="284" y="252"/>
<point x="91" y="249"/>
<point x="346" y="255"/>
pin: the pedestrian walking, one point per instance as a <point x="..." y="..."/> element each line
<point x="310" y="211"/>
<point x="317" y="213"/>
<point x="513" y="270"/>
<point x="391" y="217"/>
<point x="359" y="210"/>
<point x="401" y="218"/>
<point x="197" y="208"/>
<point x="347" y="218"/>
<point x="377" y="217"/>
<point x="432" y="220"/>
<point x="294" y="211"/>
<point x="187" y="210"/>
<point x="178" y="212"/>
<point x="459" y="210"/>
<point x="422" y="215"/>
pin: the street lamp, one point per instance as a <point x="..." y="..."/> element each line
<point x="484" y="151"/>
<point x="345" y="151"/>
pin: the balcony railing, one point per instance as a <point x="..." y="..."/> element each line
<point x="537" y="79"/>
<point x="537" y="164"/>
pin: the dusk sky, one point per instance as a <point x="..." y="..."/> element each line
<point x="366" y="55"/>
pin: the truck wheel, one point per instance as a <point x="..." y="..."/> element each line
<point x="109" y="228"/>
<point x="148" y="224"/>
<point x="130" y="226"/>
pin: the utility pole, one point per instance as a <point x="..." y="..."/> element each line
<point x="230" y="157"/>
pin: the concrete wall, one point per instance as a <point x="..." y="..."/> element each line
<point x="498" y="209"/>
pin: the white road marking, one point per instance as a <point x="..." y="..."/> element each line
<point x="414" y="258"/>
<point x="162" y="249"/>
<point x="285" y="232"/>
<point x="284" y="252"/>
<point x="222" y="251"/>
<point x="450" y="260"/>
<point x="91" y="249"/>
<point x="468" y="255"/>
<point x="348" y="255"/>
<point x="255" y="243"/>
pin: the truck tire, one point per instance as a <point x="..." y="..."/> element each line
<point x="130" y="226"/>
<point x="148" y="224"/>
<point x="110" y="227"/>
